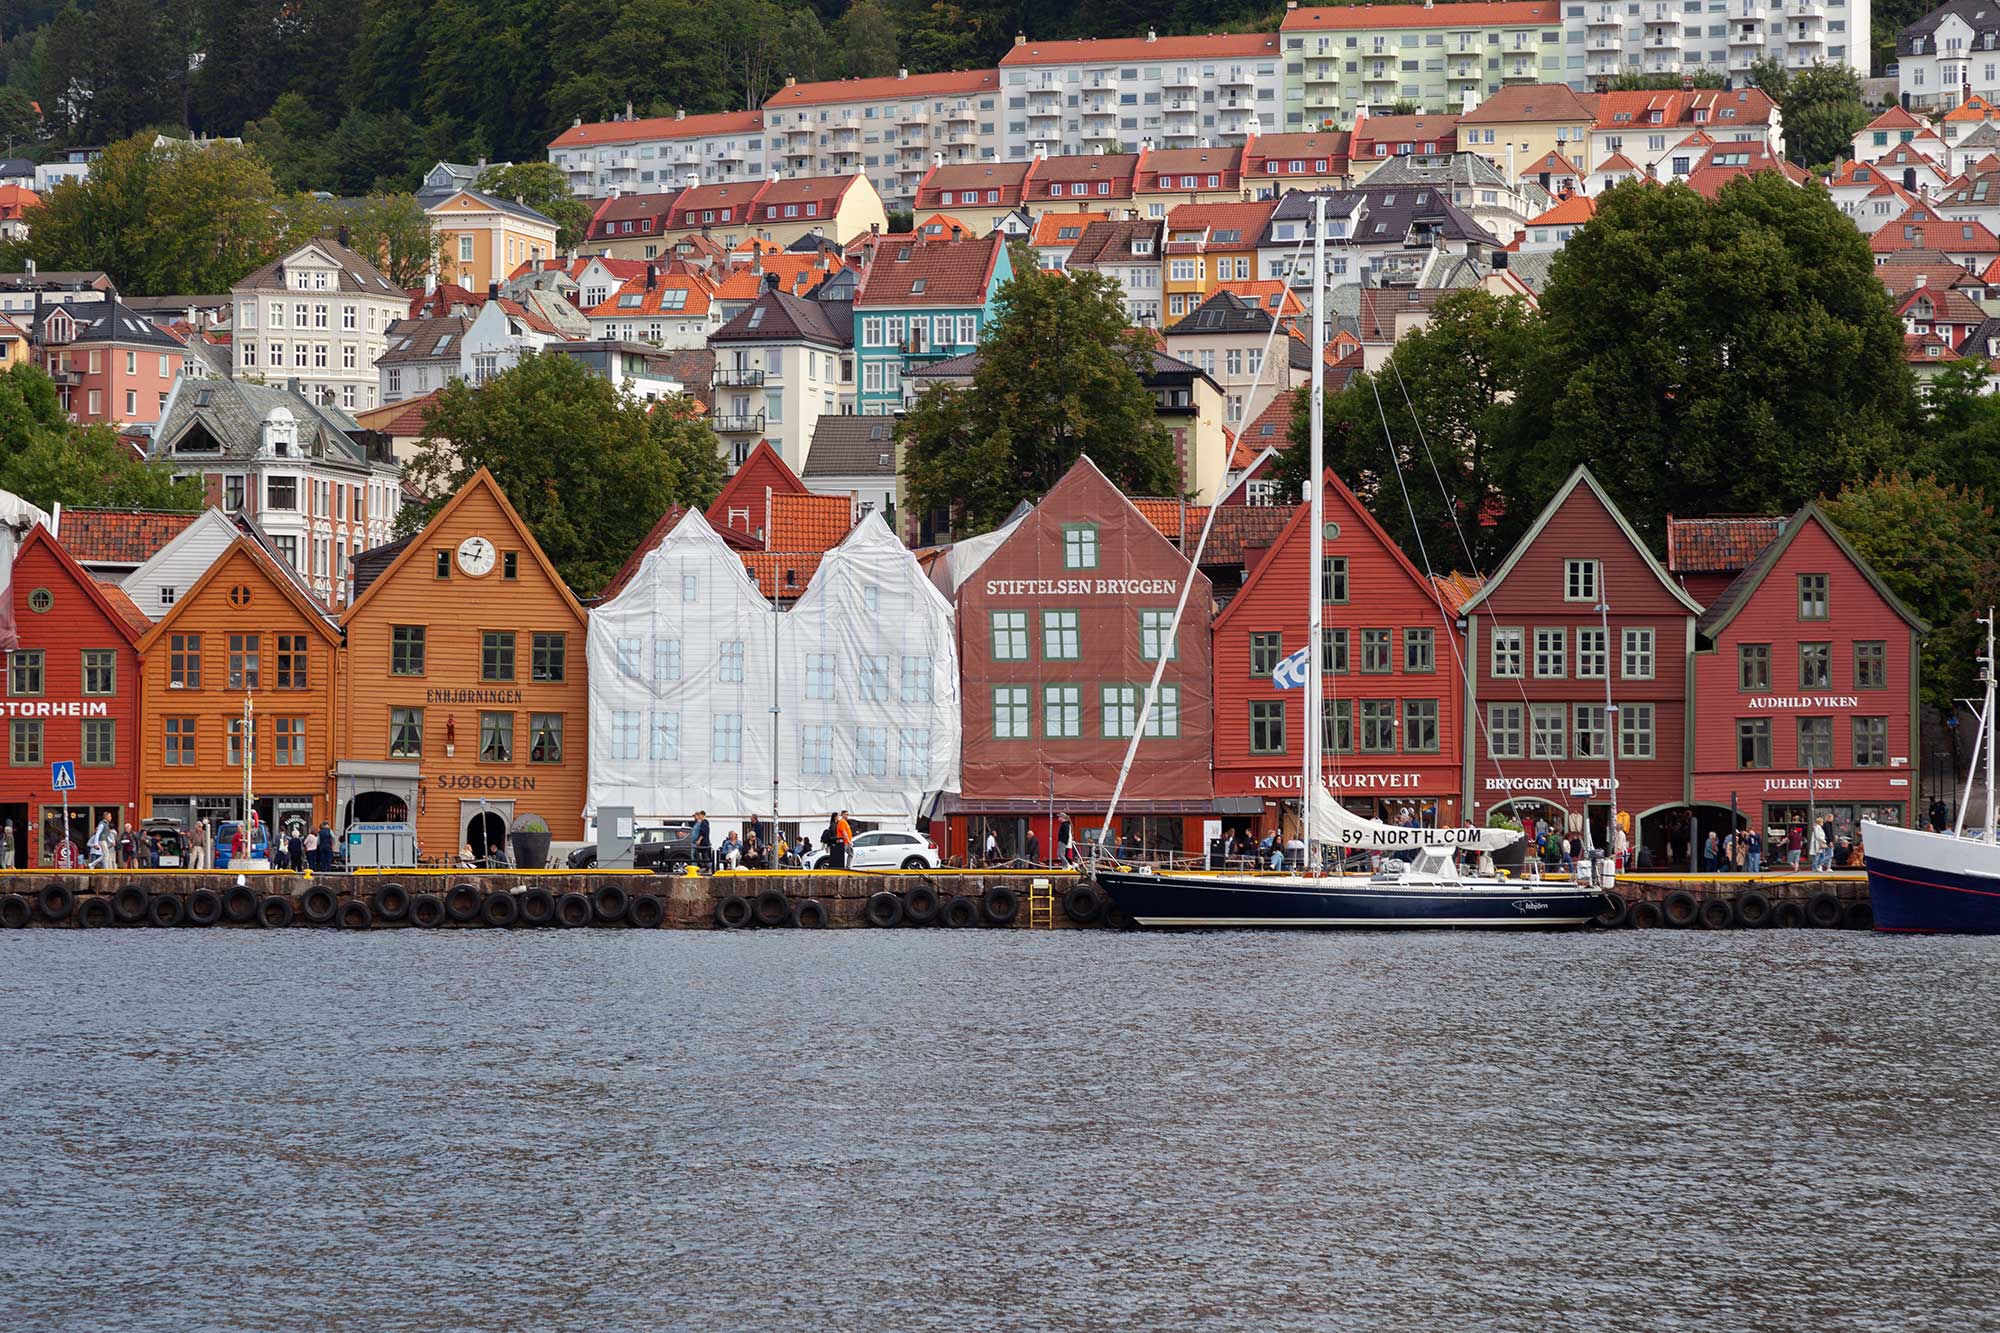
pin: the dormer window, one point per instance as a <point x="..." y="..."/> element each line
<point x="281" y="433"/>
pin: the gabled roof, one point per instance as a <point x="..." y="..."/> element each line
<point x="107" y="321"/>
<point x="1112" y="243"/>
<point x="667" y="523"/>
<point x="353" y="274"/>
<point x="1615" y="163"/>
<point x="425" y="340"/>
<point x="639" y="208"/>
<point x="108" y="598"/>
<point x="1571" y="212"/>
<point x="1162" y="170"/>
<point x="802" y="523"/>
<point x="121" y="536"/>
<point x="1301" y="516"/>
<point x="659" y="127"/>
<point x="1713" y="107"/>
<point x="1441" y="130"/>
<point x="1272" y="295"/>
<point x="1222" y="312"/>
<point x="1727" y="544"/>
<point x="1551" y="163"/>
<point x="1006" y="179"/>
<point x="273" y="569"/>
<point x="1271" y="428"/>
<point x="399" y="420"/>
<point x="1524" y="103"/>
<point x="888" y="88"/>
<point x="846" y="445"/>
<point x="953" y="273"/>
<point x="1580" y="477"/>
<point x="1329" y="146"/>
<point x="1514" y="13"/>
<point x="512" y="207"/>
<point x="1738" y="594"/>
<point x="233" y="412"/>
<point x="1975" y="108"/>
<point x="1113" y="171"/>
<point x="764" y="469"/>
<point x="779" y="316"/>
<point x="695" y="293"/>
<point x="1895" y="118"/>
<point x="1057" y="228"/>
<point x="1222" y="225"/>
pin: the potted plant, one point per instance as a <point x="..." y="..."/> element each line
<point x="530" y="837"/>
<point x="1510" y="857"/>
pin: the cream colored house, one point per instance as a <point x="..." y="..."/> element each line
<point x="319" y="315"/>
<point x="484" y="238"/>
<point x="1523" y="123"/>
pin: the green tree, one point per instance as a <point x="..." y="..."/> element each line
<point x="394" y="231"/>
<point x="48" y="459"/>
<point x="1447" y="396"/>
<point x="18" y="121"/>
<point x="292" y="140"/>
<point x="1960" y="445"/>
<point x="1938" y="548"/>
<point x="1821" y="105"/>
<point x="178" y="218"/>
<point x="1636" y="82"/>
<point x="1059" y="373"/>
<point x="542" y="187"/>
<point x="1734" y="356"/>
<point x="589" y="467"/>
<point x="865" y="41"/>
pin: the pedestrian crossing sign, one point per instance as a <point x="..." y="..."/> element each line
<point x="62" y="776"/>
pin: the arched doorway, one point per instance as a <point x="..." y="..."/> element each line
<point x="376" y="807"/>
<point x="486" y="835"/>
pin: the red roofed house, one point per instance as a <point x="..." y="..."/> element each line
<point x="1653" y="129"/>
<point x="819" y="128"/>
<point x="1274" y="163"/>
<point x="111" y="543"/>
<point x="669" y="306"/>
<point x="660" y="152"/>
<point x="1093" y="180"/>
<point x="1706" y="554"/>
<point x="1057" y="231"/>
<point x="922" y="303"/>
<point x="1219" y="86"/>
<point x="1167" y="177"/>
<point x="981" y="193"/>
<point x="837" y="207"/>
<point x="1552" y="230"/>
<point x="15" y="200"/>
<point x="1210" y="244"/>
<point x="1924" y="228"/>
<point x="1881" y="135"/>
<point x="1376" y="139"/>
<point x="1726" y="161"/>
<point x="744" y="503"/>
<point x="633" y="226"/>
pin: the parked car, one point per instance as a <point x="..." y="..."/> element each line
<point x="664" y="850"/>
<point x="169" y="838"/>
<point x="885" y="849"/>
<point x="225" y="843"/>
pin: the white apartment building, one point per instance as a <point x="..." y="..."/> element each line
<point x="1951" y="50"/>
<point x="1606" y="38"/>
<point x="780" y="366"/>
<point x="319" y="316"/>
<point x="890" y="129"/>
<point x="1112" y="96"/>
<point x="645" y="156"/>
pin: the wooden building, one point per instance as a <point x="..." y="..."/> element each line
<point x="467" y="703"/>
<point x="70" y="695"/>
<point x="248" y="632"/>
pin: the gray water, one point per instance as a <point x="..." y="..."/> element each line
<point x="940" y="1130"/>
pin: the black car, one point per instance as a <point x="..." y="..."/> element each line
<point x="665" y="851"/>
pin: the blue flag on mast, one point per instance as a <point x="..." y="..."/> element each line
<point x="1290" y="674"/>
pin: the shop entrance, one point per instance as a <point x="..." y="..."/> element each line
<point x="485" y="829"/>
<point x="82" y="823"/>
<point x="16" y="814"/>
<point x="375" y="807"/>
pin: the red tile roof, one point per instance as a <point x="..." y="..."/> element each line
<point x="1895" y="118"/>
<point x="885" y="89"/>
<point x="957" y="273"/>
<point x="1272" y="427"/>
<point x="1247" y="220"/>
<point x="1236" y="527"/>
<point x="1726" y="545"/>
<point x="1519" y="13"/>
<point x="782" y="574"/>
<point x="798" y="274"/>
<point x="694" y="302"/>
<point x="1372" y="130"/>
<point x="647" y="211"/>
<point x="1004" y="180"/>
<point x="1166" y="171"/>
<point x="730" y="203"/>
<point x="809" y="522"/>
<point x="438" y="304"/>
<point x="1974" y="108"/>
<point x="1924" y="228"/>
<point x="1531" y="102"/>
<point x="659" y="127"/>
<point x="1111" y="171"/>
<point x="1573" y="211"/>
<point x="1457" y="588"/>
<point x="1328" y="146"/>
<point x="404" y="419"/>
<point x="121" y="602"/>
<point x="1217" y="46"/>
<point x="120" y="536"/>
<point x="1721" y="109"/>
<point x="15" y="198"/>
<point x="1273" y="296"/>
<point x="1049" y="227"/>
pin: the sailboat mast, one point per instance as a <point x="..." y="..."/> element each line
<point x="1610" y="723"/>
<point x="1316" y="498"/>
<point x="1992" y="742"/>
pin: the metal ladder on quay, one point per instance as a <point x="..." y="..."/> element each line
<point x="1041" y="904"/>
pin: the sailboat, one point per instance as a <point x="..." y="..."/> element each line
<point x="1937" y="881"/>
<point x="1424" y="890"/>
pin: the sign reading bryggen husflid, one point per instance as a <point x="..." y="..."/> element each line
<point x="1059" y="633"/>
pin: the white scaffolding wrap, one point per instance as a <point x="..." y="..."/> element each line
<point x="1334" y="823"/>
<point x="681" y="685"/>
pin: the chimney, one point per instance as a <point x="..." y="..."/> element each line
<point x="680" y="113"/>
<point x="902" y="74"/>
<point x="1152" y="36"/>
<point x="31" y="269"/>
<point x="1020" y="39"/>
<point x="791" y="81"/>
<point x="628" y="112"/>
<point x="874" y="229"/>
<point x="341" y="235"/>
<point x="492" y="291"/>
<point x="770" y="282"/>
<point x="955" y="232"/>
<point x="693" y="180"/>
<point x="292" y="384"/>
<point x="430" y="283"/>
<point x="576" y="122"/>
<point x="1499" y="261"/>
<point x="482" y="164"/>
<point x="1923" y="280"/>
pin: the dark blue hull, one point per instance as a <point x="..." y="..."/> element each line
<point x="1922" y="898"/>
<point x="1280" y="903"/>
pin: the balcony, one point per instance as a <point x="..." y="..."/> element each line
<point x="1604" y="40"/>
<point x="914" y="115"/>
<point x="1605" y="17"/>
<point x="739" y="424"/>
<point x="738" y="378"/>
<point x="1052" y="113"/>
<point x="960" y="114"/>
<point x="1180" y="78"/>
<point x="1327" y="99"/>
<point x="1236" y="76"/>
<point x="1520" y="69"/>
<point x="1658" y="39"/>
<point x="956" y="138"/>
<point x="1322" y="69"/>
<point x="1749" y="40"/>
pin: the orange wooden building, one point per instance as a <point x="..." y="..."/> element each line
<point x="467" y="701"/>
<point x="246" y="630"/>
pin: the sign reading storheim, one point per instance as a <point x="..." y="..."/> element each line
<point x="1083" y="587"/>
<point x="54" y="708"/>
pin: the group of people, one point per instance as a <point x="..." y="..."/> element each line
<point x="1799" y="847"/>
<point x="993" y="852"/>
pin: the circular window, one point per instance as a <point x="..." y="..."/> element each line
<point x="1331" y="531"/>
<point x="41" y="599"/>
<point x="239" y="595"/>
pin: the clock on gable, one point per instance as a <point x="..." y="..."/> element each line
<point x="476" y="556"/>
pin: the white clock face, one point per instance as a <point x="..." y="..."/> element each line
<point x="476" y="556"/>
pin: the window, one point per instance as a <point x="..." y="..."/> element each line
<point x="1635" y="731"/>
<point x="1871" y="742"/>
<point x="1336" y="727"/>
<point x="816" y="749"/>
<point x="100" y="744"/>
<point x="916" y="682"/>
<point x="289" y="742"/>
<point x="1156" y="636"/>
<point x="406" y="650"/>
<point x="232" y="494"/>
<point x="1503" y="731"/>
<point x="406" y="733"/>
<point x="666" y="659"/>
<point x="1550" y="646"/>
<point x="441" y="565"/>
<point x="1121" y="711"/>
<point x="180" y="741"/>
<point x="291" y="661"/>
<point x="726" y="739"/>
<point x="1579" y="580"/>
<point x="1267" y="726"/>
<point x="1753" y="742"/>
<point x="26" y="741"/>
<point x="243" y="656"/>
<point x="1547" y="735"/>
<point x="545" y="738"/>
<point x="548" y="660"/>
<point x="1638" y="663"/>
<point x="1378" y="726"/>
<point x="1419" y="650"/>
<point x="1333" y="650"/>
<point x="913" y="751"/>
<point x="1062" y="711"/>
<point x="1815" y="742"/>
<point x="1753" y="666"/>
<point x="1812" y="597"/>
<point x="234" y="748"/>
<point x="1010" y="636"/>
<point x="1591" y="651"/>
<point x="690" y="588"/>
<point x="510" y="565"/>
<point x="496" y="655"/>
<point x="819" y="675"/>
<point x="665" y="731"/>
<point x="1010" y="713"/>
<point x="1815" y="666"/>
<point x="1376" y="654"/>
<point x="1507" y="652"/>
<point x="1266" y="651"/>
<point x="1060" y="636"/>
<point x="1420" y="726"/>
<point x="496" y="738"/>
<point x="1080" y="546"/>
<point x="1592" y="739"/>
<point x="1164" y="721"/>
<point x="871" y="752"/>
<point x="1333" y="579"/>
<point x="184" y="662"/>
<point x="1871" y="664"/>
<point x="729" y="661"/>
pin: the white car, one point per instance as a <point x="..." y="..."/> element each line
<point x="885" y="849"/>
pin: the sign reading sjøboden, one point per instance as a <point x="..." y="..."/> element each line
<point x="62" y="775"/>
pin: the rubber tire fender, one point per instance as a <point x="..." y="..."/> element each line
<point x="15" y="911"/>
<point x="573" y="910"/>
<point x="885" y="909"/>
<point x="961" y="912"/>
<point x="810" y="915"/>
<point x="646" y="911"/>
<point x="276" y="910"/>
<point x="1788" y="914"/>
<point x="239" y="905"/>
<point x="1002" y="905"/>
<point x="1824" y="910"/>
<point x="609" y="902"/>
<point x="499" y="909"/>
<point x="57" y="901"/>
<point x="166" y="909"/>
<point x="392" y="902"/>
<point x="128" y="903"/>
<point x="538" y="907"/>
<point x="1617" y="913"/>
<point x="461" y="902"/>
<point x="920" y="904"/>
<point x="1083" y="904"/>
<point x="426" y="911"/>
<point x="1716" y="914"/>
<point x="356" y="914"/>
<point x="1753" y="909"/>
<point x="93" y="913"/>
<point x="772" y="908"/>
<point x="1860" y="916"/>
<point x="1647" y="916"/>
<point x="733" y="911"/>
<point x="318" y="904"/>
<point x="1680" y="908"/>
<point x="204" y="907"/>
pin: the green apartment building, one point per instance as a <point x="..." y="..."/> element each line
<point x="1369" y="57"/>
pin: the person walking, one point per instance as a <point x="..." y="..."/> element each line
<point x="1794" y="843"/>
<point x="1708" y="852"/>
<point x="1754" y="861"/>
<point x="7" y="844"/>
<point x="704" y="850"/>
<point x="1820" y="847"/>
<point x="990" y="853"/>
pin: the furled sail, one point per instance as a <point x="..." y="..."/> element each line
<point x="1334" y="823"/>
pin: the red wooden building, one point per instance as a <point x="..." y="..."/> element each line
<point x="1806" y="685"/>
<point x="1392" y="748"/>
<point x="71" y="694"/>
<point x="1541" y="655"/>
<point x="1059" y="631"/>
